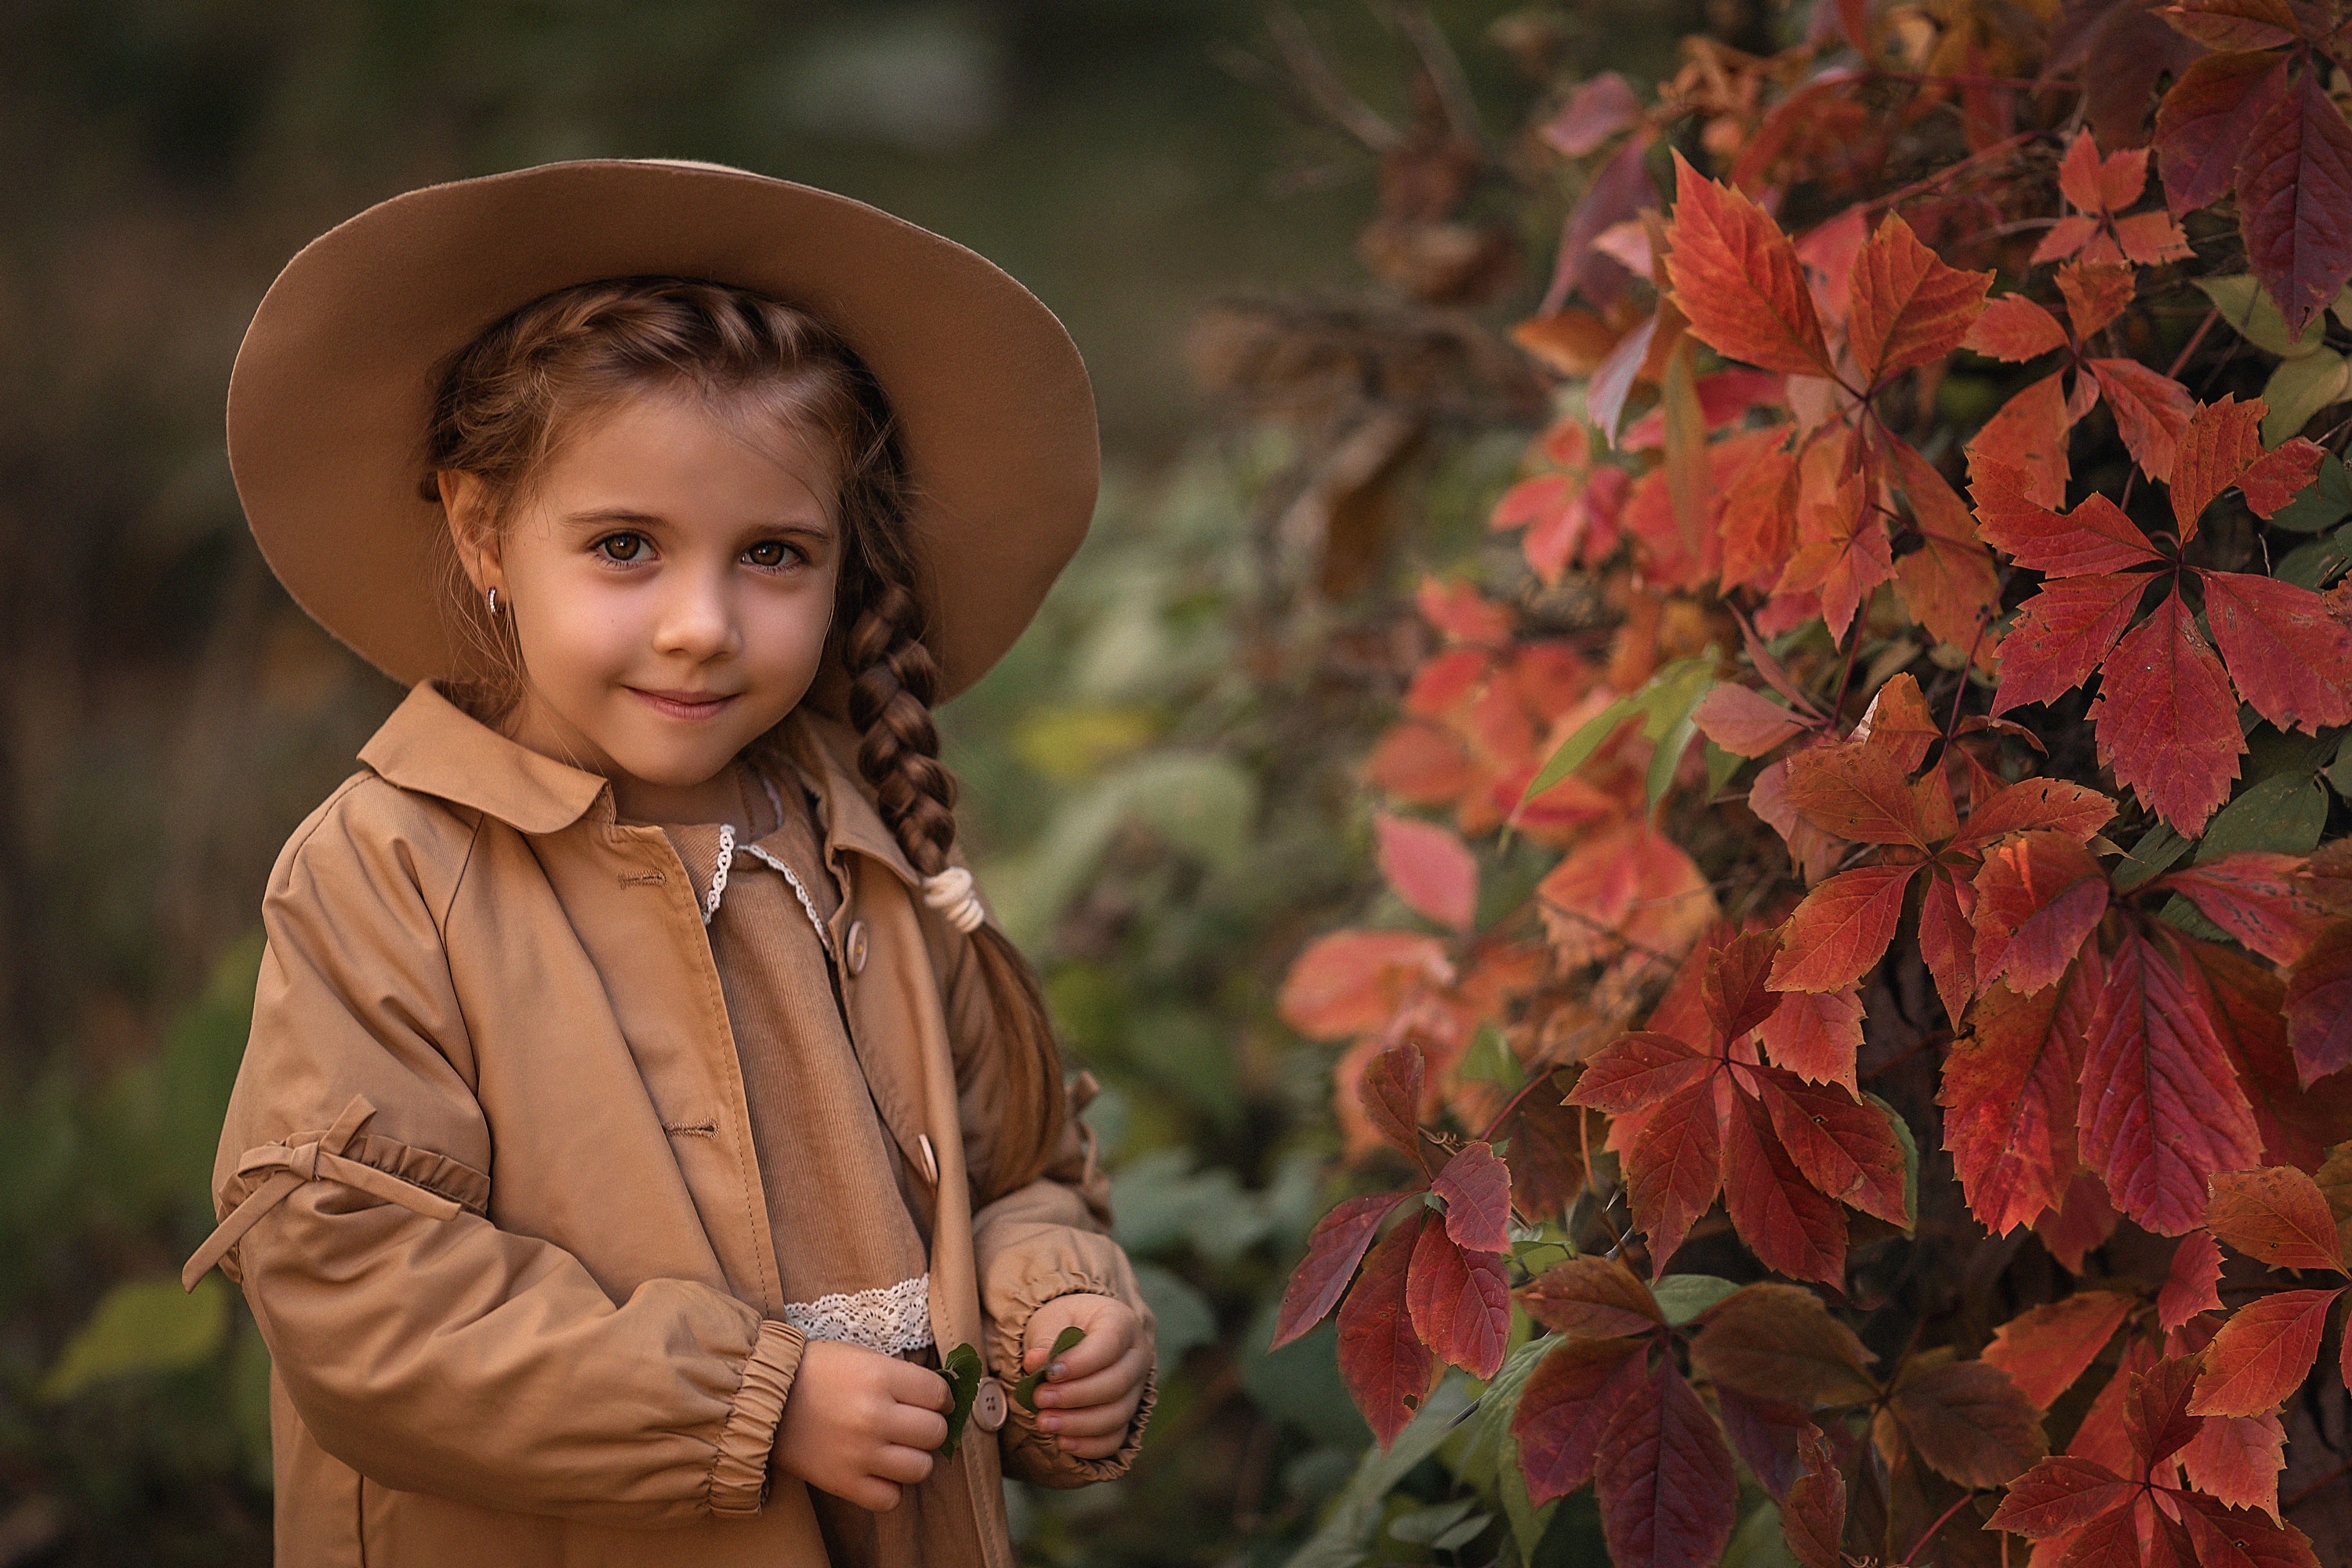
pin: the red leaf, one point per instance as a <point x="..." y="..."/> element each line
<point x="1897" y="723"/>
<point x="2280" y="475"/>
<point x="1629" y="882"/>
<point x="2030" y="432"/>
<point x="2061" y="636"/>
<point x="2165" y="720"/>
<point x="2095" y="537"/>
<point x="1948" y="581"/>
<point x="1946" y="941"/>
<point x="2069" y="808"/>
<point x="2222" y="441"/>
<point x="1744" y="721"/>
<point x="2151" y="410"/>
<point x="1967" y="1420"/>
<point x="1420" y="765"/>
<point x="2096" y="295"/>
<point x="2263" y="1353"/>
<point x="2237" y="24"/>
<point x="1667" y="1491"/>
<point x="2232" y="1537"/>
<point x="1548" y="1143"/>
<point x="2160" y="1111"/>
<point x="1568" y="1402"/>
<point x="1600" y="107"/>
<point x="1767" y="1434"/>
<point x="1733" y="990"/>
<point x="1339" y="1244"/>
<point x="2193" y="1283"/>
<point x="2237" y="1459"/>
<point x="1857" y="793"/>
<point x="2009" y="1088"/>
<point x="1907" y="307"/>
<point x="1390" y="1093"/>
<point x="2294" y="199"/>
<point x="2084" y="1219"/>
<point x="1636" y="1070"/>
<point x="1385" y="1366"/>
<point x="1459" y="1301"/>
<point x="1431" y="870"/>
<point x="1674" y="1170"/>
<point x="1476" y="1188"/>
<point x="2298" y="1124"/>
<point x="1737" y="279"/>
<point x="1842" y="929"/>
<point x="1591" y="1298"/>
<point x="2319" y="1004"/>
<point x="2290" y="657"/>
<point x="1778" y="1342"/>
<point x="2058" y="1496"/>
<point x="1842" y="551"/>
<point x="2204" y="122"/>
<point x="2038" y="896"/>
<point x="2014" y="328"/>
<point x="1812" y="1516"/>
<point x="2278" y="1215"/>
<point x="1845" y="1146"/>
<point x="1790" y="1226"/>
<point x="1351" y="982"/>
<point x="1815" y="1034"/>
<point x="2102" y="1437"/>
<point x="2256" y="898"/>
<point x="1760" y="523"/>
<point x="2045" y="1349"/>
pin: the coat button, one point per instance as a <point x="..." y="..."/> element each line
<point x="854" y="950"/>
<point x="988" y="1406"/>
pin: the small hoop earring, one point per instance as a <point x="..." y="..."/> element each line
<point x="494" y="604"/>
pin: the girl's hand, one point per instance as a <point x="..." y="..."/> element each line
<point x="861" y="1425"/>
<point x="1090" y="1395"/>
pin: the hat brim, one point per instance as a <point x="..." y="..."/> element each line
<point x="333" y="385"/>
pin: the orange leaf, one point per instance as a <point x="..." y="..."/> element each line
<point x="2193" y="1283"/>
<point x="2009" y="1095"/>
<point x="2037" y="897"/>
<point x="1908" y="307"/>
<point x="2045" y="1349"/>
<point x="2278" y="1215"/>
<point x="1815" y="1034"/>
<point x="1352" y="982"/>
<point x="2014" y="328"/>
<point x="1842" y="929"/>
<point x="2263" y="1353"/>
<point x="1431" y="870"/>
<point x="1737" y="279"/>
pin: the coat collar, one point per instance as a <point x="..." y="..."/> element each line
<point x="431" y="745"/>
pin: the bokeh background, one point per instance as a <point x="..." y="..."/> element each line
<point x="1160" y="777"/>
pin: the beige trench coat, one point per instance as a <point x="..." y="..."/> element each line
<point x="490" y="1182"/>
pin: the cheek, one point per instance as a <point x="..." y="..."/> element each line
<point x="577" y="629"/>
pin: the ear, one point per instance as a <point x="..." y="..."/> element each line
<point x="464" y="506"/>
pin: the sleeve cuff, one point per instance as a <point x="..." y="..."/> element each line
<point x="1034" y="1455"/>
<point x="738" y="1473"/>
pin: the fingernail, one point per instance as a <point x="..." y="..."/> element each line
<point x="1058" y="1370"/>
<point x="1050" y="1423"/>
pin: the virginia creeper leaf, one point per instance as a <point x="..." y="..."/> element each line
<point x="1778" y="1342"/>
<point x="1812" y="1515"/>
<point x="1636" y="1070"/>
<point x="1383" y="1363"/>
<point x="2059" y="1496"/>
<point x="2256" y="898"/>
<point x="2062" y="634"/>
<point x="1673" y="1168"/>
<point x="2014" y="328"/>
<point x="1567" y="1401"/>
<point x="1815" y="1034"/>
<point x="2193" y="1283"/>
<point x="1842" y="929"/>
<point x="2237" y="1459"/>
<point x="2205" y="121"/>
<point x="1737" y="279"/>
<point x="1459" y="1302"/>
<point x="1664" y="1480"/>
<point x="1789" y="1224"/>
<point x="2319" y="1004"/>
<point x="2278" y="1215"/>
<point x="1967" y="1420"/>
<point x="1390" y="1093"/>
<point x="2165" y="718"/>
<point x="2263" y="1353"/>
<point x="2151" y="411"/>
<point x="1907" y="307"/>
<point x="1477" y="1187"/>
<point x="2294" y="199"/>
<point x="2038" y="896"/>
<point x="1591" y="1298"/>
<point x="1844" y="1146"/>
<point x="1340" y="1242"/>
<point x="2046" y="1348"/>
<point x="1857" y="793"/>
<point x="1429" y="868"/>
<point x="2287" y="655"/>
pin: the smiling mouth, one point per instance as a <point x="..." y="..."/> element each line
<point x="685" y="705"/>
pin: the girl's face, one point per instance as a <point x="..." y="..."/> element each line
<point x="671" y="586"/>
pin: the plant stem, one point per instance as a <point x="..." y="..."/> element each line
<point x="1921" y="1544"/>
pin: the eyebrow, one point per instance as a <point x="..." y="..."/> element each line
<point x="820" y="529"/>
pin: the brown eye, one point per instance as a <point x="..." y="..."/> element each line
<point x="770" y="553"/>
<point x="621" y="546"/>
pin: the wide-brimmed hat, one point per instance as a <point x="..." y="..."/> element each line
<point x="334" y="382"/>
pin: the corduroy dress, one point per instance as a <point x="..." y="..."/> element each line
<point x="491" y="1179"/>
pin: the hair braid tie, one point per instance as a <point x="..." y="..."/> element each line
<point x="952" y="893"/>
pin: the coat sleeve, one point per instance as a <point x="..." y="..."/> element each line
<point x="1049" y="1239"/>
<point x="423" y="1345"/>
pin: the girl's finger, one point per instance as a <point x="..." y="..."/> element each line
<point x="1095" y="1447"/>
<point x="1120" y="1377"/>
<point x="1096" y="1419"/>
<point x="907" y="1467"/>
<point x="1106" y="1340"/>
<point x="915" y="1426"/>
<point x="921" y="1386"/>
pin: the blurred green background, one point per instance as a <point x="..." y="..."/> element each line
<point x="1159" y="784"/>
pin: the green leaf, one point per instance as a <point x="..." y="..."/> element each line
<point x="964" y="1372"/>
<point x="1578" y="749"/>
<point x="1666" y="760"/>
<point x="1910" y="1162"/>
<point x="1183" y="1316"/>
<point x="1489" y="1060"/>
<point x="2245" y="306"/>
<point x="1664" y="703"/>
<point x="2313" y="563"/>
<point x="1436" y="1525"/>
<point x="1683" y="1297"/>
<point x="2299" y="388"/>
<point x="2149" y="858"/>
<point x="1348" y="1529"/>
<point x="1721" y="766"/>
<point x="2321" y="504"/>
<point x="1759" y="1542"/>
<point x="1025" y="1391"/>
<point x="141" y="1326"/>
<point x="2283" y="816"/>
<point x="2339" y="772"/>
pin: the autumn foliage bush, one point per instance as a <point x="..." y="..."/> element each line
<point x="1913" y="1097"/>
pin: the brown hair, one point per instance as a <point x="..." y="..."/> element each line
<point x="509" y="398"/>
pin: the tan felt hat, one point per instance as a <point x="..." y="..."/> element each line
<point x="333" y="385"/>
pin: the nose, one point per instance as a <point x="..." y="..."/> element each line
<point x="697" y="617"/>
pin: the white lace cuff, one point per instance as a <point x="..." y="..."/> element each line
<point x="888" y="1318"/>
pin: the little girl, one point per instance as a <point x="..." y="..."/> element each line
<point x="641" y="1108"/>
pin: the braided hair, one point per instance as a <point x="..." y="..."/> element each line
<point x="508" y="399"/>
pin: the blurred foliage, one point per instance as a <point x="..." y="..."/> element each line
<point x="1159" y="778"/>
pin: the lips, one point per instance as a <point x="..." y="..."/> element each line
<point x="685" y="704"/>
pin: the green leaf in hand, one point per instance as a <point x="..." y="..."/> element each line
<point x="964" y="1372"/>
<point x="1025" y="1391"/>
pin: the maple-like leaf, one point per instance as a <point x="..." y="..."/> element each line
<point x="2278" y="1215"/>
<point x="1815" y="1034"/>
<point x="2257" y="898"/>
<point x="2192" y="1281"/>
<point x="1791" y="1227"/>
<point x="1812" y="1514"/>
<point x="2038" y="896"/>
<point x="2059" y="1496"/>
<point x="2160" y="1111"/>
<point x="2287" y="655"/>
<point x="1351" y="982"/>
<point x="1591" y="1298"/>
<point x="1428" y="867"/>
<point x="2294" y="193"/>
<point x="2205" y="121"/>
<point x="2165" y="719"/>
<point x="1340" y="1240"/>
<point x="1459" y="1301"/>
<point x="2011" y="1087"/>
<point x="1842" y="929"/>
<point x="1385" y="1365"/>
<point x="2014" y="328"/>
<point x="1778" y="1342"/>
<point x="1664" y="1478"/>
<point x="1846" y="1147"/>
<point x="2263" y="1353"/>
<point x="2152" y="411"/>
<point x="2073" y="809"/>
<point x="2236" y="1459"/>
<point x="1907" y="307"/>
<point x="1477" y="1187"/>
<point x="1966" y="1419"/>
<point x="1392" y="1094"/>
<point x="2100" y="189"/>
<point x="1843" y="552"/>
<point x="1568" y="1402"/>
<point x="1738" y="281"/>
<point x="2046" y="1348"/>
